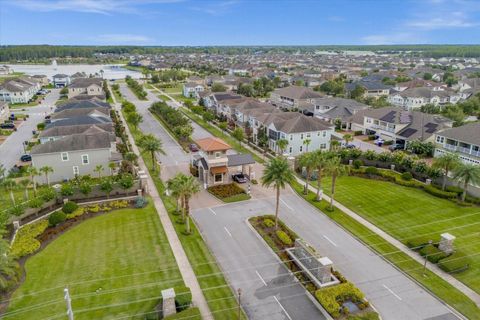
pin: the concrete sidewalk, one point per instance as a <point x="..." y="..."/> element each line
<point x="180" y="256"/>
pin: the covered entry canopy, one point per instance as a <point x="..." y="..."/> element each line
<point x="221" y="169"/>
<point x="235" y="160"/>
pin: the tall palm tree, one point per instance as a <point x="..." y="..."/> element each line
<point x="174" y="186"/>
<point x="112" y="166"/>
<point x="189" y="186"/>
<point x="277" y="173"/>
<point x="46" y="170"/>
<point x="282" y="145"/>
<point x="25" y="183"/>
<point x="98" y="169"/>
<point x="320" y="162"/>
<point x="33" y="172"/>
<point x="306" y="160"/>
<point x="447" y="163"/>
<point x="131" y="158"/>
<point x="467" y="173"/>
<point x="307" y="142"/>
<point x="348" y="138"/>
<point x="149" y="143"/>
<point x="336" y="169"/>
<point x="10" y="185"/>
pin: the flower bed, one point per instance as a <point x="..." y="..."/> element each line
<point x="229" y="192"/>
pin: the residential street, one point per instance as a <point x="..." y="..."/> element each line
<point x="12" y="148"/>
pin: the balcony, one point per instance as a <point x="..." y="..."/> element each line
<point x="463" y="150"/>
<point x="384" y="128"/>
<point x="221" y="162"/>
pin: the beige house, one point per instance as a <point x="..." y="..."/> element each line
<point x="86" y="86"/>
<point x="293" y="96"/>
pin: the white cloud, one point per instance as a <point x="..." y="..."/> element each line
<point x="455" y="19"/>
<point x="105" y="7"/>
<point x="117" y="38"/>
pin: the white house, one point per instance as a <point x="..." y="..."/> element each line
<point x="19" y="90"/>
<point x="192" y="89"/>
<point x="415" y="98"/>
<point x="61" y="80"/>
<point x="464" y="140"/>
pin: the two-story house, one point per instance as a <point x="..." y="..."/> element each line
<point x="86" y="86"/>
<point x="61" y="80"/>
<point x="192" y="90"/>
<point x="464" y="140"/>
<point x="19" y="90"/>
<point x="415" y="98"/>
<point x="56" y="133"/>
<point x="373" y="88"/>
<point x="332" y="109"/>
<point x="293" y="97"/>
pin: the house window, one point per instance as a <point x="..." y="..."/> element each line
<point x="291" y="137"/>
<point x="323" y="146"/>
<point x="218" y="177"/>
<point x="85" y="159"/>
<point x="308" y="135"/>
<point x="301" y="136"/>
<point x="217" y="155"/>
<point x="76" y="171"/>
<point x="64" y="156"/>
<point x="290" y="150"/>
<point x="301" y="148"/>
<point x="324" y="133"/>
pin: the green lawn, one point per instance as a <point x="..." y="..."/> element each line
<point x="216" y="290"/>
<point x="437" y="285"/>
<point x="177" y="89"/>
<point x="407" y="213"/>
<point x="128" y="246"/>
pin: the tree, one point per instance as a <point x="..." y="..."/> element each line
<point x="134" y="118"/>
<point x="358" y="92"/>
<point x="149" y="143"/>
<point x="99" y="169"/>
<point x="8" y="265"/>
<point x="239" y="135"/>
<point x="189" y="186"/>
<point x="25" y="183"/>
<point x="282" y="145"/>
<point x="10" y="185"/>
<point x="427" y="76"/>
<point x="64" y="91"/>
<point x="218" y="87"/>
<point x="348" y="138"/>
<point x="174" y="186"/>
<point x="277" y="173"/>
<point x="467" y="173"/>
<point x="446" y="162"/>
<point x="306" y="160"/>
<point x="320" y="162"/>
<point x="131" y="158"/>
<point x="46" y="170"/>
<point x="223" y="126"/>
<point x="112" y="166"/>
<point x="334" y="144"/>
<point x="335" y="168"/>
<point x="106" y="186"/>
<point x="32" y="172"/>
<point x="307" y="142"/>
<point x="85" y="188"/>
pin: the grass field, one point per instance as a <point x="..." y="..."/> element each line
<point x="128" y="246"/>
<point x="435" y="284"/>
<point x="408" y="212"/>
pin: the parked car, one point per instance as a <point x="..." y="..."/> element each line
<point x="350" y="146"/>
<point x="26" y="158"/>
<point x="239" y="177"/>
<point x="193" y="147"/>
<point x="379" y="142"/>
<point x="7" y="126"/>
<point x="396" y="146"/>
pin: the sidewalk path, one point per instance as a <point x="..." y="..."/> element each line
<point x="182" y="261"/>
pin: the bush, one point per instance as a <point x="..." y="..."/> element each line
<point x="226" y="190"/>
<point x="35" y="203"/>
<point x="268" y="223"/>
<point x="332" y="297"/>
<point x="77" y="213"/>
<point x="357" y="164"/>
<point x="25" y="242"/>
<point x="455" y="263"/>
<point x="284" y="238"/>
<point x="407" y="176"/>
<point x="372" y="171"/>
<point x="473" y="200"/>
<point x="48" y="194"/>
<point x="432" y="253"/>
<point x="69" y="207"/>
<point x="371" y="137"/>
<point x="56" y="218"/>
<point x="67" y="190"/>
<point x="434" y="191"/>
<point x="17" y="210"/>
<point x="41" y="126"/>
<point x="183" y="298"/>
<point x="418" y="243"/>
<point x="455" y="189"/>
<point x="254" y="181"/>
<point x="357" y="133"/>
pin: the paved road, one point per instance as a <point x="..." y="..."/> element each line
<point x="392" y="293"/>
<point x="12" y="148"/>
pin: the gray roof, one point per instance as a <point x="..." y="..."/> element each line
<point x="74" y="143"/>
<point x="78" y="121"/>
<point x="76" y="104"/>
<point x="85" y="82"/>
<point x="298" y="123"/>
<point x="70" y="113"/>
<point x="469" y="133"/>
<point x="60" y="75"/>
<point x="368" y="85"/>
<point x="69" y="130"/>
<point x="298" y="93"/>
<point x="239" y="159"/>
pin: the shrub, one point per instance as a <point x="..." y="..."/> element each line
<point x="407" y="176"/>
<point x="473" y="200"/>
<point x="41" y="126"/>
<point x="226" y="190"/>
<point x="56" y="218"/>
<point x="357" y="164"/>
<point x="254" y="181"/>
<point x="183" y="298"/>
<point x="140" y="202"/>
<point x="77" y="213"/>
<point x="357" y="133"/>
<point x="268" y="223"/>
<point x="284" y="238"/>
<point x="418" y="243"/>
<point x="440" y="193"/>
<point x="432" y="253"/>
<point x="25" y="242"/>
<point x="85" y="188"/>
<point x="371" y="137"/>
<point x="17" y="210"/>
<point x="331" y="297"/>
<point x="372" y="171"/>
<point x="35" y="203"/>
<point x="69" y="207"/>
<point x="67" y="190"/>
<point x="455" y="263"/>
<point x="455" y="189"/>
<point x="48" y="194"/>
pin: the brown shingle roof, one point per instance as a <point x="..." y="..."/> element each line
<point x="212" y="144"/>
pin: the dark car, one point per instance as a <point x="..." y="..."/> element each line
<point x="239" y="177"/>
<point x="396" y="146"/>
<point x="7" y="126"/>
<point x="26" y="158"/>
<point x="193" y="147"/>
<point x="350" y="146"/>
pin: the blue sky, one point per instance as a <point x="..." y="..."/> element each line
<point x="238" y="22"/>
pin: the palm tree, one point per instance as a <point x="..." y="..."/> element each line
<point x="467" y="173"/>
<point x="189" y="186"/>
<point x="348" y="138"/>
<point x="320" y="161"/>
<point x="32" y="172"/>
<point x="98" y="169"/>
<point x="336" y="169"/>
<point x="307" y="142"/>
<point x="25" y="183"/>
<point x="112" y="166"/>
<point x="131" y="158"/>
<point x="446" y="162"/>
<point x="306" y="160"/>
<point x="282" y="145"/>
<point x="149" y="143"/>
<point x="334" y="144"/>
<point x="135" y="119"/>
<point x="277" y="173"/>
<point x="8" y="265"/>
<point x="10" y="185"/>
<point x="46" y="170"/>
<point x="174" y="186"/>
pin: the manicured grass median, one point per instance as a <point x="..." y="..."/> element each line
<point x="109" y="263"/>
<point x="431" y="281"/>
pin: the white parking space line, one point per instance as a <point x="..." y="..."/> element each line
<point x="390" y="290"/>
<point x="212" y="211"/>
<point x="286" y="313"/>
<point x="226" y="230"/>
<point x="286" y="205"/>
<point x="258" y="274"/>
<point x="328" y="239"/>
